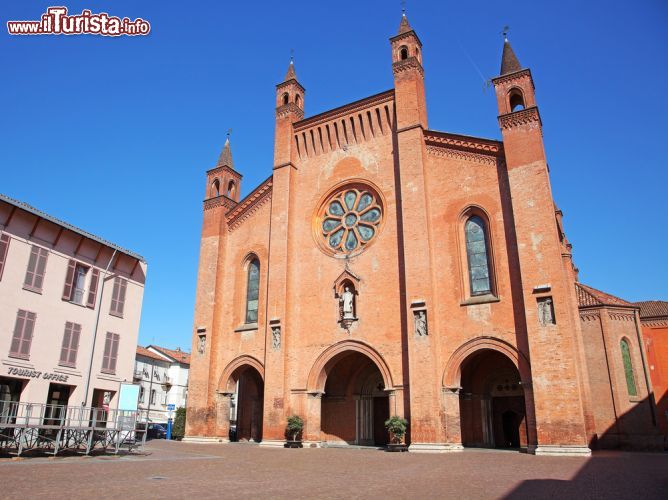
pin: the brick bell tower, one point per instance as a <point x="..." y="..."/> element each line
<point x="223" y="185"/>
<point x="420" y="399"/>
<point x="289" y="109"/>
<point x="560" y="395"/>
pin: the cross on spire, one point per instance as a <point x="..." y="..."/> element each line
<point x="504" y="32"/>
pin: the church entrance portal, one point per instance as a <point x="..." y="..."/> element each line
<point x="492" y="403"/>
<point x="355" y="404"/>
<point x="247" y="404"/>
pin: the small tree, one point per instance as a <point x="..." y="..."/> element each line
<point x="179" y="426"/>
<point x="294" y="427"/>
<point x="397" y="427"/>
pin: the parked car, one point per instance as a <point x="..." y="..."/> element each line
<point x="156" y="431"/>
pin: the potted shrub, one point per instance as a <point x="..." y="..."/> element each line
<point x="293" y="431"/>
<point x="396" y="426"/>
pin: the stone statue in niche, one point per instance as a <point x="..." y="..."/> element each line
<point x="421" y="323"/>
<point x="276" y="337"/>
<point x="348" y="302"/>
<point x="201" y="345"/>
<point x="545" y="311"/>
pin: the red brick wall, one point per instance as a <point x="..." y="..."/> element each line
<point x="655" y="336"/>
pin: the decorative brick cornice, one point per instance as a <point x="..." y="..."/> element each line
<point x="463" y="142"/>
<point x="589" y="316"/>
<point x="410" y="63"/>
<point x="517" y="75"/>
<point x="219" y="201"/>
<point x="528" y="116"/>
<point x="249" y="204"/>
<point x="655" y="323"/>
<point x="353" y="107"/>
<point x="217" y="170"/>
<point x="289" y="109"/>
<point x="621" y="316"/>
<point x="408" y="34"/>
<point x="289" y="83"/>
<point x="484" y="151"/>
<point x="461" y="155"/>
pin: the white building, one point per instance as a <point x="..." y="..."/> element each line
<point x="70" y="304"/>
<point x="163" y="378"/>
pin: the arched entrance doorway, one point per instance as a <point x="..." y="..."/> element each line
<point x="492" y="405"/>
<point x="355" y="404"/>
<point x="247" y="388"/>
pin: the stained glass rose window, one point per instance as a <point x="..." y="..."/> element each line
<point x="350" y="219"/>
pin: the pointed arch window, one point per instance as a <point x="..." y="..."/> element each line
<point x="628" y="368"/>
<point x="477" y="255"/>
<point x="253" y="291"/>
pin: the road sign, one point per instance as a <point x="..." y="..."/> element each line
<point x="171" y="407"/>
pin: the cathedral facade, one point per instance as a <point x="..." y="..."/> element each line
<point x="385" y="268"/>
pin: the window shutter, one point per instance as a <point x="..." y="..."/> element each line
<point x="121" y="296"/>
<point x="114" y="352"/>
<point x="42" y="255"/>
<point x="69" y="280"/>
<point x="74" y="344"/>
<point x="32" y="264"/>
<point x="15" y="348"/>
<point x="28" y="329"/>
<point x="92" y="292"/>
<point x="107" y="352"/>
<point x="4" y="247"/>
<point x="65" y="348"/>
<point x="114" y="297"/>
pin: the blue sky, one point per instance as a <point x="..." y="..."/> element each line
<point x="114" y="134"/>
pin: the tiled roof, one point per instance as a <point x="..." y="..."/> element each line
<point x="142" y="351"/>
<point x="177" y="354"/>
<point x="588" y="297"/>
<point x="653" y="308"/>
<point x="30" y="209"/>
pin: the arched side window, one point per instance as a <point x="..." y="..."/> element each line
<point x="298" y="100"/>
<point x="516" y="100"/>
<point x="252" y="291"/>
<point x="215" y="188"/>
<point x="628" y="368"/>
<point x="231" y="189"/>
<point x="476" y="253"/>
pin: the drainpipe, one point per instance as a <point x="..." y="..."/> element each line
<point x="97" y="322"/>
<point x="150" y="393"/>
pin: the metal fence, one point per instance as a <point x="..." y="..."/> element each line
<point x="56" y="428"/>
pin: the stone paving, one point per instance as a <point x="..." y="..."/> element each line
<point x="178" y="470"/>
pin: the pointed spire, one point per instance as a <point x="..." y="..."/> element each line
<point x="225" y="158"/>
<point x="509" y="61"/>
<point x="291" y="75"/>
<point x="404" y="26"/>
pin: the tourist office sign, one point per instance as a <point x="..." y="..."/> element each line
<point x="28" y="373"/>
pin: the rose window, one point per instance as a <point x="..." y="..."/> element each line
<point x="350" y="220"/>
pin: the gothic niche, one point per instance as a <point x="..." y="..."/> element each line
<point x="420" y="319"/>
<point x="545" y="311"/>
<point x="346" y="291"/>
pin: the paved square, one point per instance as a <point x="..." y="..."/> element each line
<point x="180" y="470"/>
